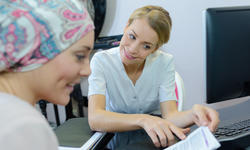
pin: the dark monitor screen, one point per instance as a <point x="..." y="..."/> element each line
<point x="227" y="44"/>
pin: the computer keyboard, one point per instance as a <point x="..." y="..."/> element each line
<point x="233" y="131"/>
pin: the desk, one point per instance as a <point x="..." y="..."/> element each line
<point x="139" y="146"/>
<point x="227" y="115"/>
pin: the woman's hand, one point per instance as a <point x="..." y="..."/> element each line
<point x="162" y="131"/>
<point x="205" y="116"/>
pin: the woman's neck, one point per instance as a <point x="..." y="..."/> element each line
<point x="133" y="68"/>
<point x="134" y="71"/>
<point x="16" y="84"/>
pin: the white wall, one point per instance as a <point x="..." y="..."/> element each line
<point x="186" y="38"/>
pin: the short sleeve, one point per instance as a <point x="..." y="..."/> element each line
<point x="97" y="82"/>
<point x="167" y="85"/>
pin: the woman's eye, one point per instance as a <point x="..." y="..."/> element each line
<point x="146" y="47"/>
<point x="80" y="57"/>
<point x="131" y="36"/>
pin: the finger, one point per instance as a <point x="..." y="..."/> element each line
<point x="162" y="137"/>
<point x="201" y="116"/>
<point x="170" y="137"/>
<point x="214" y="117"/>
<point x="177" y="131"/>
<point x="196" y="121"/>
<point x="186" y="130"/>
<point x="154" y="138"/>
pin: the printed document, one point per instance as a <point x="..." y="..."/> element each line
<point x="199" y="139"/>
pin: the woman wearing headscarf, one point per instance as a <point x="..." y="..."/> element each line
<point x="44" y="50"/>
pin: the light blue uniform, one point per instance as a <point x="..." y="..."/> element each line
<point x="156" y="84"/>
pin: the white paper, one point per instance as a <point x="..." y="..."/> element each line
<point x="88" y="145"/>
<point x="68" y="148"/>
<point x="200" y="139"/>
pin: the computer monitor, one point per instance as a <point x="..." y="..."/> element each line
<point x="227" y="44"/>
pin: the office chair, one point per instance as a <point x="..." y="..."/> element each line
<point x="54" y="114"/>
<point x="76" y="132"/>
<point x="179" y="91"/>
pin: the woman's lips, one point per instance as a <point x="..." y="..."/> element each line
<point x="128" y="56"/>
<point x="70" y="88"/>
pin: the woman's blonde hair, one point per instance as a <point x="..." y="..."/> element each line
<point x="158" y="19"/>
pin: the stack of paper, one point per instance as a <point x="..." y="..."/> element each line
<point x="200" y="139"/>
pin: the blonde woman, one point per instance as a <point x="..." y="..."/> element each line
<point x="132" y="81"/>
<point x="45" y="48"/>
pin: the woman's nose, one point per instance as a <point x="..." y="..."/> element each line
<point x="85" y="70"/>
<point x="134" y="48"/>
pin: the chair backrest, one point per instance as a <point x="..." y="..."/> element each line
<point x="179" y="91"/>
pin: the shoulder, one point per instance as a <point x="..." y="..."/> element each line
<point x="106" y="57"/>
<point x="14" y="107"/>
<point x="27" y="134"/>
<point x="161" y="57"/>
<point x="20" y="119"/>
<point x="106" y="53"/>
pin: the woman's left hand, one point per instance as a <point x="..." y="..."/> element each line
<point x="205" y="116"/>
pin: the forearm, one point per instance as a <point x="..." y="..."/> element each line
<point x="199" y="115"/>
<point x="181" y="119"/>
<point x="102" y="120"/>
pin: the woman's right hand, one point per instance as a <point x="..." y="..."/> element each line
<point x="162" y="131"/>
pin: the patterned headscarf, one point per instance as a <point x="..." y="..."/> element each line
<point x="34" y="31"/>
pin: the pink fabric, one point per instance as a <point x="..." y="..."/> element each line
<point x="176" y="93"/>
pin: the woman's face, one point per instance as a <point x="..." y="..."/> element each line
<point x="139" y="40"/>
<point x="58" y="76"/>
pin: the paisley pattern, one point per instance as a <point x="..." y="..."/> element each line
<point x="34" y="31"/>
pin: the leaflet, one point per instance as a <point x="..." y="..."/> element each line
<point x="200" y="139"/>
